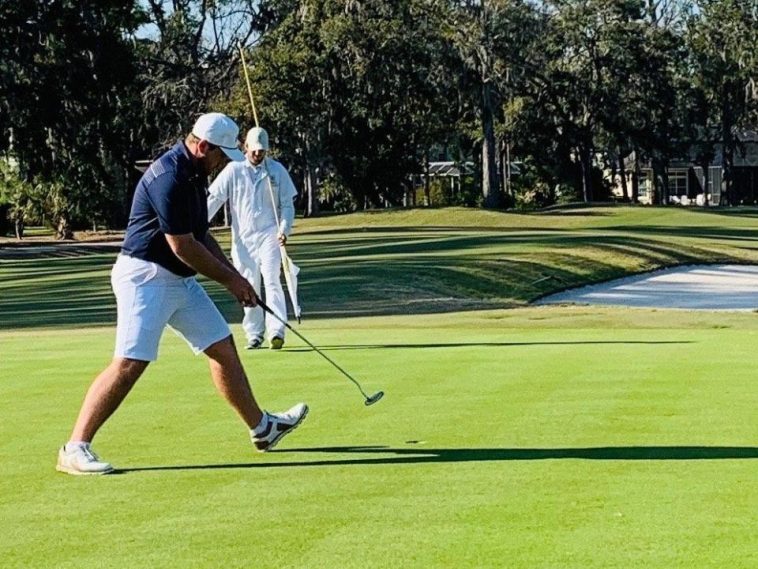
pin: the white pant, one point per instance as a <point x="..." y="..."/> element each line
<point x="149" y="298"/>
<point x="262" y="259"/>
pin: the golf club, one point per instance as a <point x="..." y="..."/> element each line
<point x="369" y="400"/>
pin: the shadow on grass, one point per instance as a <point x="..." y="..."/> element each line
<point x="702" y="232"/>
<point x="482" y="345"/>
<point x="420" y="455"/>
<point x="573" y="213"/>
<point x="732" y="211"/>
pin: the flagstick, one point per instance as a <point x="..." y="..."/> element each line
<point x="284" y="256"/>
<point x="247" y="81"/>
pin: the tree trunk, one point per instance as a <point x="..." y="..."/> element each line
<point x="622" y="175"/>
<point x="501" y="165"/>
<point x="427" y="189"/>
<point x="511" y="195"/>
<point x="728" y="185"/>
<point x="665" y="179"/>
<point x="585" y="157"/>
<point x="660" y="183"/>
<point x="490" y="185"/>
<point x="409" y="195"/>
<point x="636" y="177"/>
<point x="705" y="164"/>
<point x="311" y="192"/>
<point x="727" y="149"/>
<point x="505" y="173"/>
<point x="728" y="167"/>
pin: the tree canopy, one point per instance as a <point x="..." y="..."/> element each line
<point x="360" y="95"/>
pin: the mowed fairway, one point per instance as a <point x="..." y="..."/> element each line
<point x="530" y="437"/>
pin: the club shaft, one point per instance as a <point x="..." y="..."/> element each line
<point x="304" y="339"/>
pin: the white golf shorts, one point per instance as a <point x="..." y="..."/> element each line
<point x="149" y="298"/>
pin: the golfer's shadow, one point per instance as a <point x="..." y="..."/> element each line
<point x="483" y="345"/>
<point x="352" y="455"/>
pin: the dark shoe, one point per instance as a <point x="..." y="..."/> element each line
<point x="277" y="343"/>
<point x="254" y="343"/>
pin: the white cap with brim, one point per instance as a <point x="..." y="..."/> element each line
<point x="257" y="139"/>
<point x="219" y="129"/>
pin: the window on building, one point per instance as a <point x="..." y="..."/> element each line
<point x="678" y="183"/>
<point x="644" y="187"/>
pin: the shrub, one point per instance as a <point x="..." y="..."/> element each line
<point x="334" y="195"/>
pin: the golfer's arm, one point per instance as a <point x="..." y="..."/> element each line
<point x="198" y="256"/>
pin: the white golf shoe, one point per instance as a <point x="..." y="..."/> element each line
<point x="276" y="425"/>
<point x="79" y="459"/>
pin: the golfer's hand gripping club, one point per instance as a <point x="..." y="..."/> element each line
<point x="242" y="290"/>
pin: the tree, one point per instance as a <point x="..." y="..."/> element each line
<point x="66" y="89"/>
<point x="487" y="36"/>
<point x="721" y="36"/>
<point x="348" y="89"/>
<point x="598" y="83"/>
<point x="18" y="199"/>
<point x="189" y="61"/>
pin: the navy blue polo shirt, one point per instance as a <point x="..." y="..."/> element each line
<point x="169" y="200"/>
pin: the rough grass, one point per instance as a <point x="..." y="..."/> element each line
<point x="419" y="261"/>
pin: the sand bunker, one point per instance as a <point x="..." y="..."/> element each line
<point x="694" y="287"/>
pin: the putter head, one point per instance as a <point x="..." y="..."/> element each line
<point x="374" y="398"/>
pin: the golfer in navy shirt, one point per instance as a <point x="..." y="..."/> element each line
<point x="167" y="243"/>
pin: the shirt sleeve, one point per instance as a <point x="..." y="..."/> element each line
<point x="218" y="192"/>
<point x="287" y="194"/>
<point x="172" y="202"/>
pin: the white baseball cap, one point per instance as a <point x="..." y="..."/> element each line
<point x="257" y="139"/>
<point x="219" y="129"/>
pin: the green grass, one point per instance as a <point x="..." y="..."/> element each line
<point x="535" y="437"/>
<point x="549" y="437"/>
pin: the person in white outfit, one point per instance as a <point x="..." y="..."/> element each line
<point x="260" y="193"/>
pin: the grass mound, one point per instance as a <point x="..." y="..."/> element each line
<point x="420" y="261"/>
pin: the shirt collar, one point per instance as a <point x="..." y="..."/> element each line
<point x="256" y="169"/>
<point x="192" y="167"/>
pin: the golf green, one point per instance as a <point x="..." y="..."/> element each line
<point x="542" y="437"/>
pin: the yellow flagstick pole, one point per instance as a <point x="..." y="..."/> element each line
<point x="249" y="88"/>
<point x="286" y="262"/>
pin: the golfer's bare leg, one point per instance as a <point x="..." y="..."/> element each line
<point x="105" y="395"/>
<point x="231" y="381"/>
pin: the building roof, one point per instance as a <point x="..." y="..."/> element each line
<point x="451" y="169"/>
